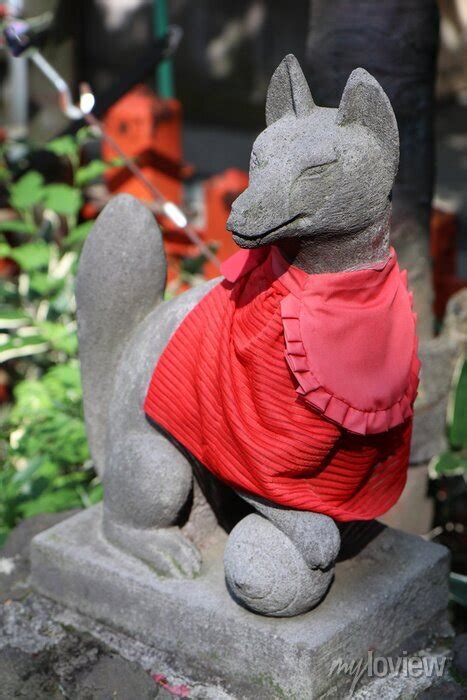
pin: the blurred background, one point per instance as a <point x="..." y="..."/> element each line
<point x="163" y="99"/>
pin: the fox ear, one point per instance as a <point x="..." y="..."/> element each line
<point x="365" y="102"/>
<point x="288" y="92"/>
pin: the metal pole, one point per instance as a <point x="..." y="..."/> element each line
<point x="164" y="73"/>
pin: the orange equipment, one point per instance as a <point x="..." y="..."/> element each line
<point x="148" y="130"/>
<point x="219" y="193"/>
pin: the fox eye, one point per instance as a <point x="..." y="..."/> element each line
<point x="316" y="170"/>
<point x="254" y="160"/>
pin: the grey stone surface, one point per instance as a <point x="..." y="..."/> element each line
<point x="267" y="573"/>
<point x="455" y="320"/>
<point x="316" y="536"/>
<point x="399" y="686"/>
<point x="14" y="555"/>
<point x="280" y="564"/>
<point x="320" y="181"/>
<point x="459" y="651"/>
<point x="121" y="278"/>
<point x="410" y="239"/>
<point x="450" y="690"/>
<point x="320" y="178"/>
<point x="75" y="666"/>
<point x="47" y="651"/>
<point x="113" y="677"/>
<point x="429" y="429"/>
<point x="147" y="480"/>
<point x="209" y="637"/>
<point x="25" y="676"/>
<point x="415" y="509"/>
<point x="438" y="357"/>
<point x="122" y="330"/>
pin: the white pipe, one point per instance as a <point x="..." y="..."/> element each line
<point x="17" y="90"/>
<point x="71" y="110"/>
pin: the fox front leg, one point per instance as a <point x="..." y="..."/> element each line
<point x="280" y="562"/>
<point x="147" y="484"/>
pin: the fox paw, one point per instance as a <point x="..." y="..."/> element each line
<point x="165" y="550"/>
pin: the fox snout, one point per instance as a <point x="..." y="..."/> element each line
<point x="257" y="212"/>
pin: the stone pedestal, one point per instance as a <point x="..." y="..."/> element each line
<point x="390" y="596"/>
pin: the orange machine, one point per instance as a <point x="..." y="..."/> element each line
<point x="219" y="193"/>
<point x="148" y="129"/>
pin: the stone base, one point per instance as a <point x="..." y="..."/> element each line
<point x="389" y="597"/>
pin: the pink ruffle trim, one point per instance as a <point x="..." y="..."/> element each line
<point x="336" y="409"/>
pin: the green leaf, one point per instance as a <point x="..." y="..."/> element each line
<point x="5" y="174"/>
<point x="63" y="199"/>
<point x="13" y="318"/>
<point x="458" y="588"/>
<point x="78" y="234"/>
<point x="457" y="406"/>
<point x="90" y="172"/>
<point x="21" y="477"/>
<point x="5" y="250"/>
<point x="54" y="502"/>
<point x="27" y="191"/>
<point x="86" y="133"/>
<point x="32" y="397"/>
<point x="96" y="494"/>
<point x="63" y="146"/>
<point x="448" y="464"/>
<point x="17" y="226"/>
<point x="22" y="347"/>
<point x="60" y="337"/>
<point x="63" y="382"/>
<point x="43" y="285"/>
<point x="31" y="256"/>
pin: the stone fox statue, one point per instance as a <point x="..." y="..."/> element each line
<point x="278" y="399"/>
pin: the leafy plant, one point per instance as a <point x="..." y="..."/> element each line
<point x="453" y="462"/>
<point x="448" y="472"/>
<point x="46" y="461"/>
<point x="46" y="464"/>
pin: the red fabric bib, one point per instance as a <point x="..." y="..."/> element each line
<point x="298" y="388"/>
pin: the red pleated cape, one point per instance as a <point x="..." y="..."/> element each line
<point x="298" y="388"/>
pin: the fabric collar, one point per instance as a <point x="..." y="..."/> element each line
<point x="350" y="338"/>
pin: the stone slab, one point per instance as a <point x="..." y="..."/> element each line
<point x="394" y="590"/>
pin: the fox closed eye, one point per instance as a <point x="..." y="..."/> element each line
<point x="254" y="160"/>
<point x="316" y="170"/>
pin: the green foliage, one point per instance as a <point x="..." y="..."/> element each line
<point x="448" y="464"/>
<point x="63" y="199"/>
<point x="457" y="409"/>
<point x="90" y="172"/>
<point x="458" y="588"/>
<point x="44" y="460"/>
<point x="64" y="146"/>
<point x="454" y="462"/>
<point x="27" y="191"/>
<point x="30" y="256"/>
<point x="78" y="235"/>
<point x="17" y="226"/>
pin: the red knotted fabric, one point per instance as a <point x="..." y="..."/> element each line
<point x="298" y="388"/>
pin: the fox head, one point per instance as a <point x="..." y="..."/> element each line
<point x="317" y="171"/>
